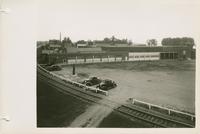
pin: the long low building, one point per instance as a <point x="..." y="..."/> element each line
<point x="181" y="51"/>
<point x="113" y="53"/>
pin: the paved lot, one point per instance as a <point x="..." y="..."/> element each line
<point x="170" y="84"/>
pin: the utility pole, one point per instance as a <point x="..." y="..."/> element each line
<point x="74" y="71"/>
<point x="60" y="37"/>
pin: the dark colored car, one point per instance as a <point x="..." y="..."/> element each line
<point x="53" y="68"/>
<point x="92" y="81"/>
<point x="107" y="84"/>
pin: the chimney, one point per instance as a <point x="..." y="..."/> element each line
<point x="60" y="37"/>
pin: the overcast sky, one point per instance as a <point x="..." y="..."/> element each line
<point x="137" y="20"/>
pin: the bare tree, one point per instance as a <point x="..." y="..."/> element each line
<point x="152" y="42"/>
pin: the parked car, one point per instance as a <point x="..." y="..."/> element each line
<point x="107" y="84"/>
<point x="53" y="68"/>
<point x="92" y="81"/>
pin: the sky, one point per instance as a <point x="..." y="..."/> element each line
<point x="137" y="20"/>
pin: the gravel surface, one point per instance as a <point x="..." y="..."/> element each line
<point x="167" y="83"/>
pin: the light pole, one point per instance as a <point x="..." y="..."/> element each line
<point x="74" y="70"/>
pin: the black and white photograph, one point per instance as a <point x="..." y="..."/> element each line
<point x="99" y="66"/>
<point x="116" y="64"/>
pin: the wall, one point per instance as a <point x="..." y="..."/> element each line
<point x="112" y="54"/>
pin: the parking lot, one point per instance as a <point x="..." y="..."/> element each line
<point x="168" y="83"/>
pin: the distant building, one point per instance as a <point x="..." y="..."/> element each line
<point x="54" y="41"/>
<point x="83" y="45"/>
<point x="103" y="52"/>
<point x="108" y="44"/>
<point x="101" y="44"/>
<point x="53" y="46"/>
<point x="72" y="50"/>
<point x="139" y="45"/>
<point x="42" y="43"/>
<point x="47" y="51"/>
<point x="122" y="45"/>
<point x="193" y="54"/>
<point x="90" y="50"/>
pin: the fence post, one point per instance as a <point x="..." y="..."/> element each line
<point x="149" y="106"/>
<point x="169" y="112"/>
<point x="73" y="72"/>
<point x="133" y="101"/>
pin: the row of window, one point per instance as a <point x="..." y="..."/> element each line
<point x="147" y="56"/>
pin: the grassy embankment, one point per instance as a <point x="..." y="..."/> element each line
<point x="55" y="109"/>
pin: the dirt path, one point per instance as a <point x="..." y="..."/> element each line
<point x="95" y="114"/>
<point x="92" y="117"/>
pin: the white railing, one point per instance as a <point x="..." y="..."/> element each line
<point x="96" y="90"/>
<point x="192" y="117"/>
<point x="74" y="83"/>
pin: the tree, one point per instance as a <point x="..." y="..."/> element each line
<point x="130" y="42"/>
<point x="90" y="43"/>
<point x="66" y="42"/>
<point x="113" y="40"/>
<point x="124" y="41"/>
<point x="185" y="41"/>
<point x="81" y="42"/>
<point x="152" y="42"/>
<point x="69" y="41"/>
<point x="107" y="40"/>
